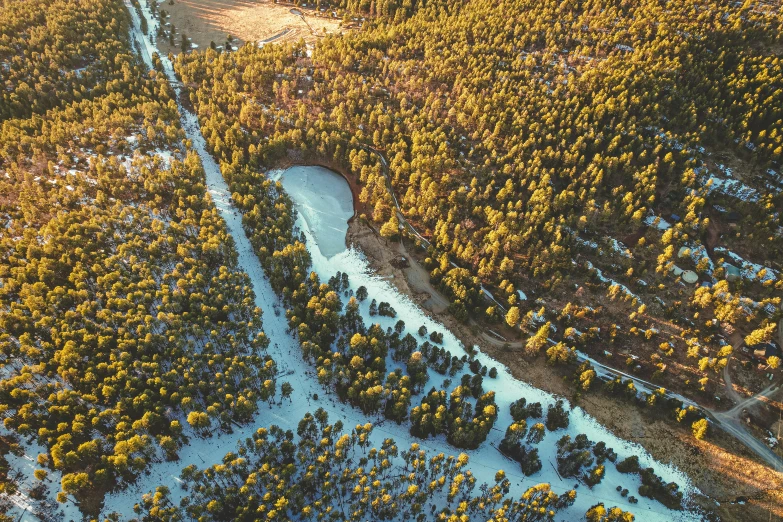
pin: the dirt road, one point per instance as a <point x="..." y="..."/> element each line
<point x="731" y="420"/>
<point x="732" y="425"/>
<point x="732" y="393"/>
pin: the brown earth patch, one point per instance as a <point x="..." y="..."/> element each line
<point x="205" y="21"/>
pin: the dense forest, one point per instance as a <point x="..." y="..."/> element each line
<point x="522" y="140"/>
<point x="123" y="314"/>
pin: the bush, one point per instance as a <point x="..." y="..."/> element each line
<point x="530" y="463"/>
<point x="361" y="293"/>
<point x="700" y="428"/>
<point x="557" y="417"/>
<point x="521" y="410"/>
<point x="629" y="465"/>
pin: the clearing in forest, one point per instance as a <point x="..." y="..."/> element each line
<point x="205" y="21"/>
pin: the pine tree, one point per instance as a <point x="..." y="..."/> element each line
<point x="512" y="317"/>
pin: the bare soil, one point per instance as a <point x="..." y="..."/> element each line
<point x="205" y="21"/>
<point x="412" y="281"/>
<point x="736" y="486"/>
<point x="746" y="376"/>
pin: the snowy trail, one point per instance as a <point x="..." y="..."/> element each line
<point x="484" y="462"/>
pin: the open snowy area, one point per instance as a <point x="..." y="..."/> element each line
<point x="329" y="208"/>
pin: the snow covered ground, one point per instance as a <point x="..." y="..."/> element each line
<point x="657" y="221"/>
<point x="611" y="282"/>
<point x="748" y="269"/>
<point x="484" y="462"/>
<point x="332" y="204"/>
<point x="487" y="459"/>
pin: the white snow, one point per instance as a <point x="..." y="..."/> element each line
<point x="26" y="465"/>
<point x="612" y="282"/>
<point x="619" y="247"/>
<point x="586" y="242"/>
<point x="749" y="269"/>
<point x="662" y="224"/>
<point x="696" y="253"/>
<point x="330" y="207"/>
<point x="485" y="461"/>
<point x="483" y="289"/>
<point x="729" y="187"/>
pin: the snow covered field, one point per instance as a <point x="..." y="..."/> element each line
<point x="322" y="241"/>
<point x="487" y="459"/>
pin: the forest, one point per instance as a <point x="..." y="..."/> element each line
<point x="123" y="314"/>
<point x="521" y="139"/>
<point x="128" y="328"/>
<point x="522" y="147"/>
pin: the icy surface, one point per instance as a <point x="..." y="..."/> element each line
<point x="329" y="207"/>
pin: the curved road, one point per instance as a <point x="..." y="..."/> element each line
<point x="731" y="420"/>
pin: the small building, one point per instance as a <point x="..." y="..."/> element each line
<point x="762" y="351"/>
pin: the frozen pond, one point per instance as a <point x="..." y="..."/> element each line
<point x="324" y="200"/>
